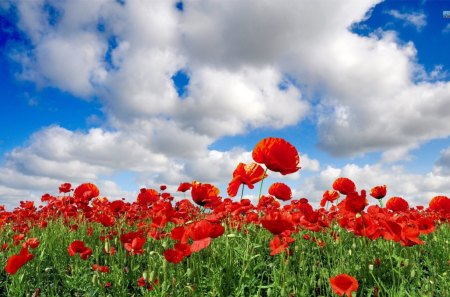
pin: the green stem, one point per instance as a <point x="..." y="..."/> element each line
<point x="381" y="202"/>
<point x="242" y="191"/>
<point x="260" y="187"/>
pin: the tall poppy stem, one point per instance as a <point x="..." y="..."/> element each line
<point x="381" y="202"/>
<point x="260" y="186"/>
<point x="242" y="191"/>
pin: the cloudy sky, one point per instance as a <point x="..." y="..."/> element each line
<point x="134" y="93"/>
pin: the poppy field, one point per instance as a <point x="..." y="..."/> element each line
<point x="79" y="243"/>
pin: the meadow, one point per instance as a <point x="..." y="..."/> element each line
<point x="79" y="243"/>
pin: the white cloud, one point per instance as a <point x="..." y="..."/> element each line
<point x="416" y="19"/>
<point x="373" y="94"/>
<point x="446" y="29"/>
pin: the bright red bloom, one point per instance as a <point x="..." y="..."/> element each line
<point x="78" y="247"/>
<point x="344" y="284"/>
<point x="397" y="204"/>
<point x="281" y="191"/>
<point x="162" y="187"/>
<point x="329" y="196"/>
<point x="106" y="220"/>
<point x="136" y="245"/>
<point x="32" y="242"/>
<point x="173" y="255"/>
<point x="204" y="228"/>
<point x="248" y="174"/>
<point x="16" y="261"/>
<point x="203" y="193"/>
<point x="104" y="269"/>
<point x="440" y="203"/>
<point x="65" y="188"/>
<point x="86" y="192"/>
<point x="277" y="154"/>
<point x="183" y="187"/>
<point x="354" y="202"/>
<point x="201" y="244"/>
<point x="277" y="222"/>
<point x="344" y="185"/>
<point x="378" y="192"/>
<point x="147" y="196"/>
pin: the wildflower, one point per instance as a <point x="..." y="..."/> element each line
<point x="344" y="284"/>
<point x="247" y="174"/>
<point x="16" y="261"/>
<point x="277" y="154"/>
<point x="344" y="185"/>
<point x="281" y="191"/>
<point x="397" y="204"/>
<point x="78" y="247"/>
<point x="378" y="192"/>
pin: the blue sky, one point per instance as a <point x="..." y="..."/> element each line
<point x="130" y="94"/>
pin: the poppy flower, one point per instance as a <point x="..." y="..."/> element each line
<point x="329" y="196"/>
<point x="277" y="222"/>
<point x="136" y="245"/>
<point x="147" y="196"/>
<point x="248" y="175"/>
<point x="16" y="261"/>
<point x="173" y="255"/>
<point x="104" y="269"/>
<point x="277" y="154"/>
<point x="378" y="192"/>
<point x="86" y="192"/>
<point x="78" y="247"/>
<point x="203" y="193"/>
<point x="344" y="185"/>
<point x="354" y="202"/>
<point x="281" y="191"/>
<point x="440" y="203"/>
<point x="183" y="187"/>
<point x="201" y="244"/>
<point x="397" y="204"/>
<point x="65" y="188"/>
<point x="344" y="284"/>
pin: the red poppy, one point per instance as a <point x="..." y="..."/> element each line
<point x="173" y="255"/>
<point x="201" y="244"/>
<point x="203" y="229"/>
<point x="162" y="187"/>
<point x="106" y="220"/>
<point x="147" y="196"/>
<point x="277" y="246"/>
<point x="16" y="261"/>
<point x="378" y="192"/>
<point x="277" y="222"/>
<point x="104" y="269"/>
<point x="136" y="245"/>
<point x="354" y="202"/>
<point x="344" y="284"/>
<point x="277" y="154"/>
<point x="78" y="247"/>
<point x="32" y="242"/>
<point x="86" y="192"/>
<point x="248" y="174"/>
<point x="281" y="191"/>
<point x="344" y="185"/>
<point x="65" y="188"/>
<point x="397" y="204"/>
<point x="183" y="187"/>
<point x="440" y="203"/>
<point x="203" y="193"/>
<point x="329" y="196"/>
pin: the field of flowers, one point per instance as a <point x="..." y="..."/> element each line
<point x="82" y="244"/>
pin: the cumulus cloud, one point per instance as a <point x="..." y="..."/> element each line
<point x="246" y="62"/>
<point x="416" y="19"/>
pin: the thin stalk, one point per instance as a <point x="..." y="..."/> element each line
<point x="261" y="185"/>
